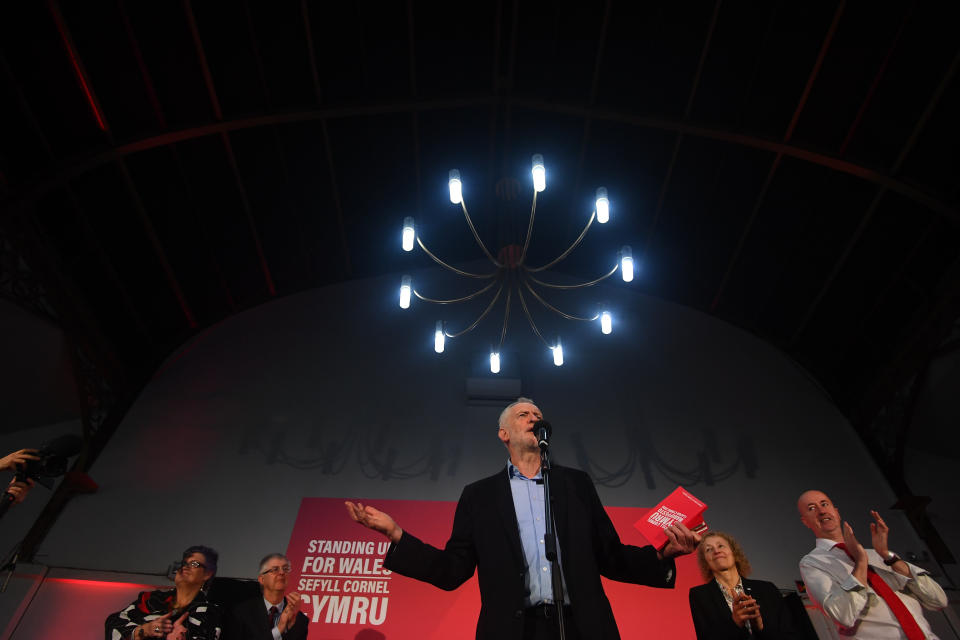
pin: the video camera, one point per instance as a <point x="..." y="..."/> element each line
<point x="53" y="460"/>
<point x="52" y="463"/>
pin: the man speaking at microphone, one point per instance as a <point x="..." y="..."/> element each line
<point x="498" y="530"/>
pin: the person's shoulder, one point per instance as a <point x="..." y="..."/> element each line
<point x="756" y="585"/>
<point x="580" y="481"/>
<point x="701" y="589"/>
<point x="248" y="604"/>
<point x="486" y="483"/>
<point x="156" y="594"/>
<point x="814" y="553"/>
<point x="577" y="475"/>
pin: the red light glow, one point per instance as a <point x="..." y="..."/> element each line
<point x="104" y="584"/>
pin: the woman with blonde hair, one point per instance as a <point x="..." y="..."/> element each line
<point x="729" y="606"/>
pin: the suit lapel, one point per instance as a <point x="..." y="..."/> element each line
<point x="558" y="487"/>
<point x="508" y="516"/>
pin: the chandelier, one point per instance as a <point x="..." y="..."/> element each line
<point x="511" y="275"/>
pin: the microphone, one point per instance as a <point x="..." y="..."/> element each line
<point x="543" y="430"/>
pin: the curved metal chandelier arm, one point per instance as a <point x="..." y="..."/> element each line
<point x="526" y="243"/>
<point x="553" y="308"/>
<point x="451" y="268"/>
<point x="455" y="300"/>
<point x="477" y="321"/>
<point x="576" y="286"/>
<point x="569" y="249"/>
<point x="526" y="312"/>
<point x="506" y="318"/>
<point x="476" y="236"/>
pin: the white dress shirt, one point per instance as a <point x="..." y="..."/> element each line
<point x="857" y="609"/>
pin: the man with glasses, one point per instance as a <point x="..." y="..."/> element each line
<point x="273" y="615"/>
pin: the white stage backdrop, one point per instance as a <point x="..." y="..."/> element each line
<point x="337" y="392"/>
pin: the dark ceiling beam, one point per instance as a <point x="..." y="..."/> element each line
<point x="414" y="116"/>
<point x="88" y="231"/>
<point x="495" y="91"/>
<point x="142" y="66"/>
<point x="507" y="86"/>
<point x="758" y="203"/>
<point x="947" y="348"/>
<point x="327" y="150"/>
<point x="872" y="208"/>
<point x="308" y="35"/>
<point x="228" y="147"/>
<point x="71" y="170"/>
<point x="22" y="229"/>
<point x="81" y="72"/>
<point x="588" y="121"/>
<point x="868" y="98"/>
<point x="155" y="243"/>
<point x="174" y="151"/>
<point x="932" y="326"/>
<point x="679" y="140"/>
<point x="288" y="189"/>
<point x="146" y="223"/>
<point x="897" y="275"/>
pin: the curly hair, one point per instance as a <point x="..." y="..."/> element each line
<point x="739" y="558"/>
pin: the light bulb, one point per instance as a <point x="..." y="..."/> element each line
<point x="603" y="205"/>
<point x="606" y="323"/>
<point x="405" y="292"/>
<point x="408" y="233"/>
<point x="456" y="189"/>
<point x="438" y="338"/>
<point x="494" y="362"/>
<point x="626" y="263"/>
<point x="539" y="175"/>
<point x="558" y="353"/>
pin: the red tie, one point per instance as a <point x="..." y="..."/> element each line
<point x="274" y="611"/>
<point x="903" y="615"/>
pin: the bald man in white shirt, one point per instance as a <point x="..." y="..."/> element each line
<point x="838" y="571"/>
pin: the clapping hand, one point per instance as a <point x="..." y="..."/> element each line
<point x="746" y="608"/>
<point x="879" y="531"/>
<point x="290" y="610"/>
<point x="179" y="630"/>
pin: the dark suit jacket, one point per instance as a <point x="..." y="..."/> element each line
<point x="249" y="621"/>
<point x="486" y="538"/>
<point x="713" y="621"/>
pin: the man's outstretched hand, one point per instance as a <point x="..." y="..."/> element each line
<point x="374" y="519"/>
<point x="680" y="541"/>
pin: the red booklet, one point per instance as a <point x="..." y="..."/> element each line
<point x="679" y="506"/>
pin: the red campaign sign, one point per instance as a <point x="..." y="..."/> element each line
<point x="348" y="595"/>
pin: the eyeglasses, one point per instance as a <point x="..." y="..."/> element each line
<point x="193" y="564"/>
<point x="275" y="570"/>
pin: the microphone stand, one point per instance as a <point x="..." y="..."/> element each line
<point x="550" y="536"/>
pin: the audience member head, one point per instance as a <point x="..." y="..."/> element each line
<point x="719" y="551"/>
<point x="820" y="515"/>
<point x="273" y="572"/>
<point x="198" y="565"/>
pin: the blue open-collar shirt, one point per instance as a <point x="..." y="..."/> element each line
<point x="528" y="502"/>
